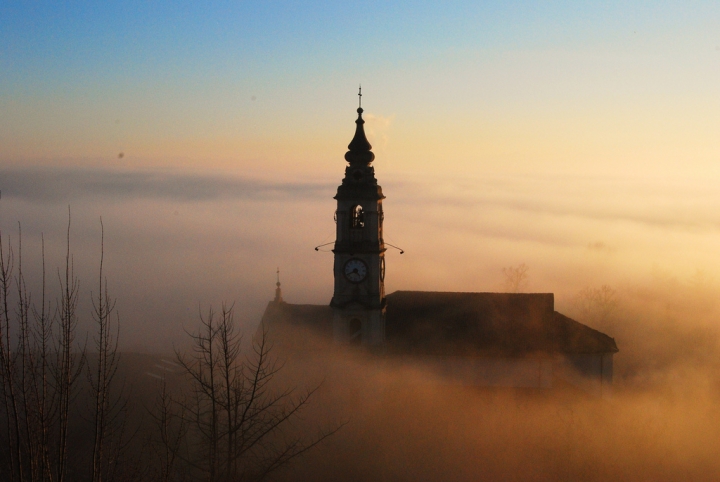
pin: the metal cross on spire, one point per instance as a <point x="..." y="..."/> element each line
<point x="360" y="96"/>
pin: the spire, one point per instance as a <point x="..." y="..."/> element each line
<point x="278" y="291"/>
<point x="359" y="152"/>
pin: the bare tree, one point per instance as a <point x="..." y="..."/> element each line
<point x="596" y="305"/>
<point x="231" y="420"/>
<point x="234" y="421"/>
<point x="69" y="360"/>
<point x="30" y="411"/>
<point x="43" y="395"/>
<point x="12" y="415"/>
<point x="171" y="431"/>
<point x="109" y="407"/>
<point x="25" y="410"/>
<point x="40" y="364"/>
<point x="516" y="278"/>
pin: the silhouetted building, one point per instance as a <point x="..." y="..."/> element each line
<point x="486" y="339"/>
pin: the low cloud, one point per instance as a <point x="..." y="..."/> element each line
<point x="663" y="204"/>
<point x="177" y="240"/>
<point x="616" y="200"/>
<point x="57" y="185"/>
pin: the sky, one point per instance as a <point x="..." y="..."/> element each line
<point x="580" y="138"/>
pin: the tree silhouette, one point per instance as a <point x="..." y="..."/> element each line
<point x="596" y="305"/>
<point x="231" y="422"/>
<point x="516" y="278"/>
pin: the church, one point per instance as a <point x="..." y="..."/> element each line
<point x="481" y="339"/>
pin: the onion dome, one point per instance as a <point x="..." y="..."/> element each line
<point x="360" y="149"/>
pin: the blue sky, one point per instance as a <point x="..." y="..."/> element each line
<point x="165" y="72"/>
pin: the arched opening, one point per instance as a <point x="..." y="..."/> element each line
<point x="357" y="217"/>
<point x="355" y="331"/>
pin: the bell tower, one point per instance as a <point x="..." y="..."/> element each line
<point x="358" y="301"/>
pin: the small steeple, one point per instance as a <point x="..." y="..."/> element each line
<point x="360" y="148"/>
<point x="278" y="291"/>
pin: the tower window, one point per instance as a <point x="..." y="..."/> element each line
<point x="355" y="331"/>
<point x="357" y="217"/>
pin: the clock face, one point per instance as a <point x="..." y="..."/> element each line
<point x="355" y="270"/>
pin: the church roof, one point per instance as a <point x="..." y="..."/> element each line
<point x="442" y="323"/>
<point x="513" y="324"/>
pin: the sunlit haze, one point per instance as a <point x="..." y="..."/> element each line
<point x="578" y="138"/>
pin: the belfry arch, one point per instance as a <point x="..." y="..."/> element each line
<point x="357" y="217"/>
